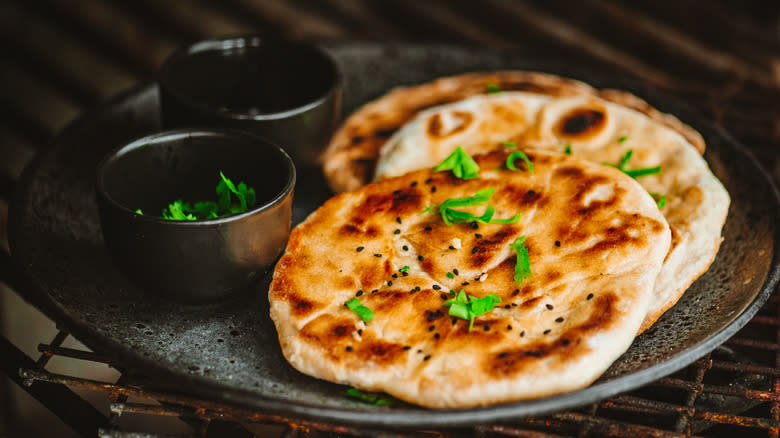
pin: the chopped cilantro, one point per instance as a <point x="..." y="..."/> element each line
<point x="634" y="173"/>
<point x="139" y="211"/>
<point x="470" y="307"/>
<point x="184" y="211"/>
<point x="522" y="266"/>
<point x="510" y="161"/>
<point x="360" y="310"/>
<point x="404" y="269"/>
<point x="450" y="275"/>
<point x="567" y="149"/>
<point x="461" y="165"/>
<point x="622" y="138"/>
<point x="493" y="88"/>
<point x="660" y="200"/>
<point x="451" y="216"/>
<point x="508" y="144"/>
<point x="376" y="399"/>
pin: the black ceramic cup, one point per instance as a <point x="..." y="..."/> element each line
<point x="203" y="260"/>
<point x="288" y="92"/>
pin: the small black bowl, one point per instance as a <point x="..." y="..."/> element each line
<point x="203" y="260"/>
<point x="288" y="92"/>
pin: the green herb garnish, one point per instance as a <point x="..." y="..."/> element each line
<point x="225" y="205"/>
<point x="376" y="399"/>
<point x="660" y="200"/>
<point x="360" y="310"/>
<point x="404" y="269"/>
<point x="470" y="307"/>
<point x="451" y="216"/>
<point x="508" y="144"/>
<point x="622" y="138"/>
<point x="510" y="161"/>
<point x="493" y="88"/>
<point x="522" y="266"/>
<point x="461" y="165"/>
<point x="450" y="275"/>
<point x="567" y="149"/>
<point x="138" y="211"/>
<point x="634" y="173"/>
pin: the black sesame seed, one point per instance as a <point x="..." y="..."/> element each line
<point x="444" y="296"/>
<point x="504" y="354"/>
<point x="398" y="219"/>
<point x="414" y="184"/>
<point x="397" y="232"/>
<point x="358" y="293"/>
<point x="454" y="321"/>
<point x="547" y="332"/>
<point x="452" y="247"/>
<point x="427" y="357"/>
<point x="397" y="192"/>
<point x="428" y="228"/>
<point x="377" y="255"/>
<point x="359" y="248"/>
<point x="432" y="316"/>
<point x="475" y="250"/>
<point x="405" y="248"/>
<point x="436" y="287"/>
<point x="419" y="351"/>
<point x="431" y="328"/>
<point x="429" y="180"/>
<point x="411" y="291"/>
<point x="455" y="271"/>
<point x="349" y="348"/>
<point x="516" y="292"/>
<point x="417" y="288"/>
<point x="389" y="282"/>
<point x="565" y="342"/>
<point x="531" y="192"/>
<point x="375" y="291"/>
<point x="486" y="328"/>
<point x="465" y="283"/>
<point x="590" y="296"/>
<point x="474" y="225"/>
<point x="437" y="336"/>
<point x="559" y="319"/>
<point x="509" y="326"/>
<point x="405" y="274"/>
<point x="407" y="347"/>
<point x="507" y="306"/>
<point x="395" y="275"/>
<point x="558" y="243"/>
<point x="420" y="258"/>
<point x="514" y="304"/>
<point x="549" y="306"/>
<point x="433" y="189"/>
<point x="522" y="333"/>
<point x="477" y="235"/>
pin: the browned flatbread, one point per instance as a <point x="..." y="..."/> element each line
<point x="349" y="160"/>
<point x="596" y="242"/>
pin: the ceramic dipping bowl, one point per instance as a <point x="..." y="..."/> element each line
<point x="288" y="92"/>
<point x="194" y="261"/>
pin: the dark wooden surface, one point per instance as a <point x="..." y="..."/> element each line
<point x="63" y="57"/>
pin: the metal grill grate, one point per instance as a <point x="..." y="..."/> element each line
<point x="61" y="58"/>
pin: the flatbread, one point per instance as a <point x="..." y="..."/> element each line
<point x="595" y="240"/>
<point x="350" y="158"/>
<point x="596" y="130"/>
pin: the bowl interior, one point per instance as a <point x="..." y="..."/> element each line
<point x="249" y="76"/>
<point x="152" y="172"/>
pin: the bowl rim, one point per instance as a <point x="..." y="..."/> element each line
<point x="219" y="44"/>
<point x="173" y="134"/>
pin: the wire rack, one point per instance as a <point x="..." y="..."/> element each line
<point x="720" y="62"/>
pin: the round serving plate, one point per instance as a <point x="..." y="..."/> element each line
<point x="229" y="353"/>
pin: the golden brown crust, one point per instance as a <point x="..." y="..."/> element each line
<point x="349" y="160"/>
<point x="595" y="242"/>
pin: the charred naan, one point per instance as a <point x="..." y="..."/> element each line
<point x="351" y="156"/>
<point x="595" y="242"/>
<point x="696" y="204"/>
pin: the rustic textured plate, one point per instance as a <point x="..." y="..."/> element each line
<point x="229" y="352"/>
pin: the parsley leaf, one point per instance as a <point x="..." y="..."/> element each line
<point x="138" y="211"/>
<point x="461" y="165"/>
<point x="376" y="399"/>
<point x="360" y="310"/>
<point x="451" y="216"/>
<point x="493" y="88"/>
<point x="510" y="161"/>
<point x="660" y="200"/>
<point x="634" y="173"/>
<point x="522" y="266"/>
<point x="470" y="307"/>
<point x="622" y="138"/>
<point x="404" y="269"/>
<point x="567" y="149"/>
<point x="178" y="210"/>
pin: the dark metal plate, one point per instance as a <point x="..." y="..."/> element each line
<point x="228" y="352"/>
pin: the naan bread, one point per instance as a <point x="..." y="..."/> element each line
<point x="596" y="242"/>
<point x="350" y="158"/>
<point x="599" y="131"/>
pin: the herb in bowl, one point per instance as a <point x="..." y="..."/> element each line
<point x="231" y="199"/>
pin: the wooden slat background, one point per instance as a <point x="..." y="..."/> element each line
<point x="62" y="57"/>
